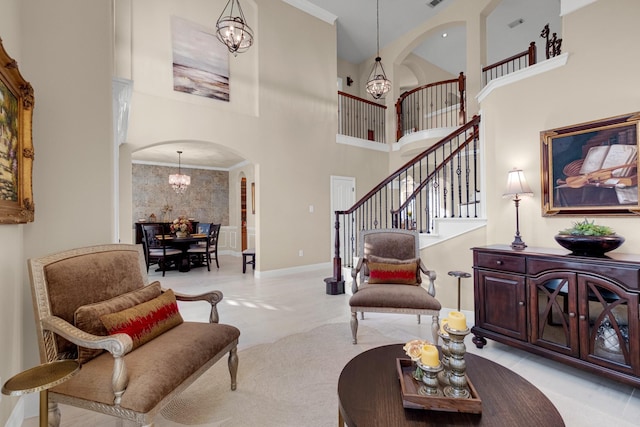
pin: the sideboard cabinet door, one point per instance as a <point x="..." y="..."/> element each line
<point x="608" y="323"/>
<point x="500" y="303"/>
<point x="553" y="312"/>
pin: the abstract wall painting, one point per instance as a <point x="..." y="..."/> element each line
<point x="200" y="61"/>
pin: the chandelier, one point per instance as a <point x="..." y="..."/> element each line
<point x="178" y="181"/>
<point x="378" y="83"/>
<point x="233" y="31"/>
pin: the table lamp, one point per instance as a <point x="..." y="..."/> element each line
<point x="517" y="186"/>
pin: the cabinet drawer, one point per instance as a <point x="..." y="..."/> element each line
<point x="628" y="277"/>
<point x="494" y="261"/>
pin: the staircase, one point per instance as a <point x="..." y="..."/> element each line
<point x="435" y="193"/>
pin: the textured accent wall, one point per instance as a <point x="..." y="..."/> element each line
<point x="206" y="199"/>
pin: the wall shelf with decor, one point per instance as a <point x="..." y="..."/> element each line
<point x="578" y="310"/>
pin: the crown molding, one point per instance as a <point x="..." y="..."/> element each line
<point x="313" y="10"/>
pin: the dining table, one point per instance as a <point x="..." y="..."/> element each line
<point x="183" y="244"/>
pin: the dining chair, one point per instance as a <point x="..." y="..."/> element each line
<point x="156" y="250"/>
<point x="203" y="228"/>
<point x="209" y="250"/>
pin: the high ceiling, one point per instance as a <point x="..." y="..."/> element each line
<point x="356" y="42"/>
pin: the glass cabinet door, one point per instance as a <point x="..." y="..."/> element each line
<point x="553" y="312"/>
<point x="605" y="311"/>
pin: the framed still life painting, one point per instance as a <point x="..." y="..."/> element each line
<point x="591" y="168"/>
<point x="16" y="148"/>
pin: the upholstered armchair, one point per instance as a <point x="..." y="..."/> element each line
<point x="136" y="353"/>
<point x="390" y="281"/>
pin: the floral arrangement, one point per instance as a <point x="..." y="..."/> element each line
<point x="414" y="349"/>
<point x="181" y="224"/>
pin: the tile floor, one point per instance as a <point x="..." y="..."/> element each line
<point x="271" y="307"/>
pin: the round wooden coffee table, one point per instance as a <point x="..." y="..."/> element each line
<point x="369" y="395"/>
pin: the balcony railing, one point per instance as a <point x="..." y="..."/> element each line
<point x="509" y="65"/>
<point x="436" y="105"/>
<point x="360" y="118"/>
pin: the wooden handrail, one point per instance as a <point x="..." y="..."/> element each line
<point x="461" y="80"/>
<point x="530" y="52"/>
<point x="474" y="122"/>
<point x="357" y="98"/>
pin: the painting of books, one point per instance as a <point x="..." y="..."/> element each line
<point x="592" y="168"/>
<point x="200" y="61"/>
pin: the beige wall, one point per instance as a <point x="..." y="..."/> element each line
<point x="71" y="77"/>
<point x="12" y="263"/>
<point x="590" y="87"/>
<point x="281" y="118"/>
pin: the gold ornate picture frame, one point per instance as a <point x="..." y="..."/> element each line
<point x="591" y="168"/>
<point x="16" y="145"/>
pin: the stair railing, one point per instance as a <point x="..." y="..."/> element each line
<point x="360" y="118"/>
<point x="442" y="181"/>
<point x="435" y="105"/>
<point x="450" y="190"/>
<point x="509" y="65"/>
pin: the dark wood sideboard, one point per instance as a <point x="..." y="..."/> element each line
<point x="582" y="311"/>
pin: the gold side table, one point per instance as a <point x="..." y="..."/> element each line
<point x="40" y="379"/>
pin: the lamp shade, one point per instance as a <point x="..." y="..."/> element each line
<point x="517" y="184"/>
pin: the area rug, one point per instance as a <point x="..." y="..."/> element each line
<point x="292" y="382"/>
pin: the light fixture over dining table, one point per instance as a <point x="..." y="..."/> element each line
<point x="178" y="181"/>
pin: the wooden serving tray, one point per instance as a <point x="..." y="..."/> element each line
<point x="411" y="399"/>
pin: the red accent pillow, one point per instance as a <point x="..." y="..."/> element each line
<point x="87" y="317"/>
<point x="145" y="321"/>
<point x="393" y="271"/>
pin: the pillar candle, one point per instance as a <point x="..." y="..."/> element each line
<point x="457" y="321"/>
<point x="442" y="323"/>
<point x="429" y="355"/>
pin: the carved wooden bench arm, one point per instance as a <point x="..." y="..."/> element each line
<point x="213" y="298"/>
<point x="432" y="278"/>
<point x="118" y="345"/>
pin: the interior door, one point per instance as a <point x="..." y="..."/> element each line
<point x="343" y="196"/>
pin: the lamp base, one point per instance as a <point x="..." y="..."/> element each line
<point x="518" y="244"/>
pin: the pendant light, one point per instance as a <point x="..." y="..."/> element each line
<point x="378" y="83"/>
<point x="233" y="31"/>
<point x="178" y="181"/>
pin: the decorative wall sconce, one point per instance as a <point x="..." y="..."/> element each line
<point x="517" y="186"/>
<point x="349" y="81"/>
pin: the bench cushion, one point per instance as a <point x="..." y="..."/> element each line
<point x="394" y="296"/>
<point x="153" y="368"/>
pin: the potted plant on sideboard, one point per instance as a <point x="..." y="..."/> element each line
<point x="589" y="239"/>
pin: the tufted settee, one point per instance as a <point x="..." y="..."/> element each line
<point x="130" y="375"/>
